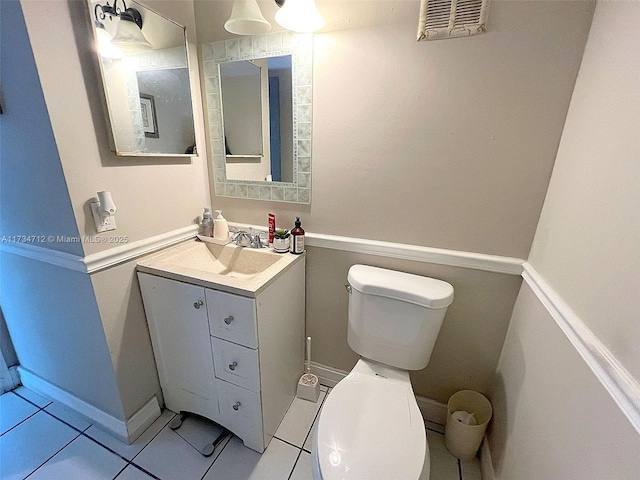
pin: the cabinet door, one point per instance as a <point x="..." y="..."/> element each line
<point x="179" y="328"/>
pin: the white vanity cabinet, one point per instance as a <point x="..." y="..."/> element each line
<point x="232" y="358"/>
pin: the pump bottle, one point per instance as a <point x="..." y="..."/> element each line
<point x="297" y="238"/>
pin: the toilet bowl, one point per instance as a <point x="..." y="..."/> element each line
<point x="370" y="426"/>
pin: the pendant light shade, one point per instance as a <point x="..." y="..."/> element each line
<point x="246" y="19"/>
<point x="300" y="16"/>
<point x="129" y="37"/>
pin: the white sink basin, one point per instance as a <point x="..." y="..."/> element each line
<point x="239" y="270"/>
<point x="228" y="260"/>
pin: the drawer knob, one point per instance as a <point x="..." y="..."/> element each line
<point x="228" y="320"/>
<point x="198" y="304"/>
<point x="237" y="405"/>
<point x="233" y="365"/>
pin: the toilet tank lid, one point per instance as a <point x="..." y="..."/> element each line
<point x="424" y="291"/>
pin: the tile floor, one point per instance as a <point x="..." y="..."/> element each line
<point x="40" y="439"/>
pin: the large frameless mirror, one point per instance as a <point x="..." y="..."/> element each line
<point x="258" y="94"/>
<point x="145" y="73"/>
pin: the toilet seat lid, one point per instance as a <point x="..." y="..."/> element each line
<point x="370" y="428"/>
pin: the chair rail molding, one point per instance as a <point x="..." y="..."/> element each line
<point x="621" y="385"/>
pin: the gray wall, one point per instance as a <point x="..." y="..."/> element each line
<point x="553" y="417"/>
<point x="590" y="225"/>
<point x="444" y="144"/>
<point x="449" y="143"/>
<point x="55" y="157"/>
<point x="51" y="313"/>
<point x="33" y="199"/>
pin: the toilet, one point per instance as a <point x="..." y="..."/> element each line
<point x="370" y="426"/>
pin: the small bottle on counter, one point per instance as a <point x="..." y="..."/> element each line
<point x="206" y="226"/>
<point x="220" y="227"/>
<point x="297" y="238"/>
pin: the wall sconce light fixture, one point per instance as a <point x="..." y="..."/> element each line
<point x="300" y="16"/>
<point x="246" y="19"/>
<point x="129" y="36"/>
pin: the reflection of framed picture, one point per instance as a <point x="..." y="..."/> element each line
<point x="148" y="111"/>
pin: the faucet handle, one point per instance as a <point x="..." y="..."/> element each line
<point x="256" y="241"/>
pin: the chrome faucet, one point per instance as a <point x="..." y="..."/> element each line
<point x="247" y="239"/>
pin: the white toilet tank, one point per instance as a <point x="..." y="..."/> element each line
<point x="395" y="317"/>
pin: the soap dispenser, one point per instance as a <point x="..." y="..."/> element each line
<point x="206" y="227"/>
<point x="220" y="227"/>
<point x="297" y="238"/>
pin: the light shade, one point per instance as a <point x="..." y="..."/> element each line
<point x="129" y="37"/>
<point x="246" y="19"/>
<point x="105" y="47"/>
<point x="300" y="16"/>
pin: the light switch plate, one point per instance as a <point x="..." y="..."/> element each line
<point x="103" y="224"/>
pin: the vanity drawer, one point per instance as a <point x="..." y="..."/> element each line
<point x="241" y="412"/>
<point x="232" y="318"/>
<point x="236" y="364"/>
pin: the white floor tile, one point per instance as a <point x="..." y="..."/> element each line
<point x="133" y="473"/>
<point x="308" y="443"/>
<point x="302" y="470"/>
<point x="69" y="416"/>
<point x="32" y="443"/>
<point x="298" y="420"/>
<point x="82" y="458"/>
<point x="14" y="410"/>
<point x="471" y="470"/>
<point x="169" y="456"/>
<point x="236" y="462"/>
<point x="444" y="466"/>
<point x="199" y="431"/>
<point x="130" y="451"/>
<point x="32" y="396"/>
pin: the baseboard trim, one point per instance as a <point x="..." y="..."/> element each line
<point x="621" y="385"/>
<point x="9" y="379"/>
<point x="125" y="431"/>
<point x="328" y="376"/>
<point x="142" y="419"/>
<point x="432" y="411"/>
<point x="486" y="465"/>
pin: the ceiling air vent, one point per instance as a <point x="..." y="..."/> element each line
<point x="451" y="18"/>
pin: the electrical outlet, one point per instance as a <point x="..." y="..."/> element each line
<point x="103" y="224"/>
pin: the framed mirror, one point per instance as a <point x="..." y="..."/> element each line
<point x="145" y="73"/>
<point x="258" y="101"/>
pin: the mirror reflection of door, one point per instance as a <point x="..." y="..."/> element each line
<point x="281" y="118"/>
<point x="257" y="111"/>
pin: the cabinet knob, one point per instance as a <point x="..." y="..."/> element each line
<point x="233" y="365"/>
<point x="228" y="320"/>
<point x="198" y="304"/>
<point x="237" y="406"/>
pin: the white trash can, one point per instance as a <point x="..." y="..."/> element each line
<point x="468" y="414"/>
